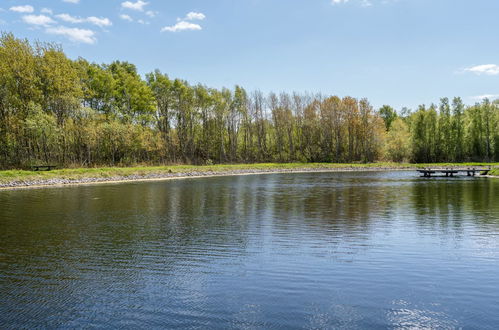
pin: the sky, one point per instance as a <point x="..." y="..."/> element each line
<point x="398" y="52"/>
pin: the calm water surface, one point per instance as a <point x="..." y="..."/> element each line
<point x="316" y="250"/>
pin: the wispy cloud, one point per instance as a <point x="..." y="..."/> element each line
<point x="74" y="34"/>
<point x="22" y="9"/>
<point x="72" y="1"/>
<point x="99" y="21"/>
<point x="487" y="69"/>
<point x="485" y="96"/>
<point x="195" y="16"/>
<point x="363" y="3"/>
<point x="38" y="20"/>
<point x="182" y="26"/>
<point x="126" y="17"/>
<point x="46" y="11"/>
<point x="70" y="19"/>
<point x="138" y="5"/>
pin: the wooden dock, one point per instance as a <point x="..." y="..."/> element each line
<point x="454" y="171"/>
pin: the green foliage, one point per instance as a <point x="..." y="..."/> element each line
<point x="455" y="134"/>
<point x="388" y="114"/>
<point x="133" y="99"/>
<point x="75" y="113"/>
<point x="42" y="132"/>
<point x="59" y="82"/>
<point x="398" y="145"/>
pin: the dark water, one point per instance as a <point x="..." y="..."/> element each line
<point x="328" y="250"/>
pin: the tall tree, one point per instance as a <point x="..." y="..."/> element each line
<point x="458" y="129"/>
<point x="388" y="114"/>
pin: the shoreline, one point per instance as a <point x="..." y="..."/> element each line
<point x="58" y="180"/>
<point x="151" y="177"/>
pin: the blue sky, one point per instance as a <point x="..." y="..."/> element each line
<point x="397" y="52"/>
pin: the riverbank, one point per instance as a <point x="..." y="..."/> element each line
<point x="494" y="173"/>
<point x="25" y="179"/>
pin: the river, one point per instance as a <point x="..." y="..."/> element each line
<point x="278" y="251"/>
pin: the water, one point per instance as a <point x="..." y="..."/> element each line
<point x="316" y="250"/>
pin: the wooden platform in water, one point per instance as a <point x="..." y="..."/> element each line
<point x="453" y="171"/>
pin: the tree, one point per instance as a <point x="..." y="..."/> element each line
<point x="53" y="109"/>
<point x="458" y="129"/>
<point x="19" y="90"/>
<point x="388" y="114"/>
<point x="475" y="133"/>
<point x="445" y="138"/>
<point x="162" y="89"/>
<point x="132" y="97"/>
<point x="398" y="146"/>
<point x="59" y="81"/>
<point x="98" y="87"/>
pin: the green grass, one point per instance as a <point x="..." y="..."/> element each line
<point x="105" y="172"/>
<point x="495" y="172"/>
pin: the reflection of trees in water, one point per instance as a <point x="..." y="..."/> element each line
<point x="93" y="242"/>
<point x="231" y="211"/>
<point x="332" y="208"/>
<point x="135" y="235"/>
<point x="452" y="204"/>
<point x="181" y="216"/>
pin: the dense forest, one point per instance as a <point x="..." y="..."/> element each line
<point x="75" y="113"/>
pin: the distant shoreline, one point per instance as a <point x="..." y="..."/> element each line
<point x="61" y="182"/>
<point x="70" y="177"/>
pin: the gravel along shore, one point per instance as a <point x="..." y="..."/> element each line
<point x="56" y="182"/>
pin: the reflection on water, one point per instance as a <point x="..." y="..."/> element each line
<point x="314" y="250"/>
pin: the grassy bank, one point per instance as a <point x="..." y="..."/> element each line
<point x="11" y="176"/>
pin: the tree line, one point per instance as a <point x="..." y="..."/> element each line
<point x="75" y="113"/>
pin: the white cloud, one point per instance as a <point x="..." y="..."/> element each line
<point x="182" y="26"/>
<point x="40" y="20"/>
<point x="46" y="11"/>
<point x="138" y="5"/>
<point x="22" y="9"/>
<point x="151" y="13"/>
<point x="126" y="18"/>
<point x="92" y="20"/>
<point x="99" y="21"/>
<point x="336" y="2"/>
<point x="195" y="16"/>
<point x="486" y="96"/>
<point x="487" y="69"/>
<point x="72" y="1"/>
<point x="70" y="19"/>
<point x="74" y="34"/>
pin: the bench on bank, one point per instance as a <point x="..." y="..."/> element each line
<point x="37" y="168"/>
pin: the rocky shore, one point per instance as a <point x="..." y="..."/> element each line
<point x="178" y="175"/>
